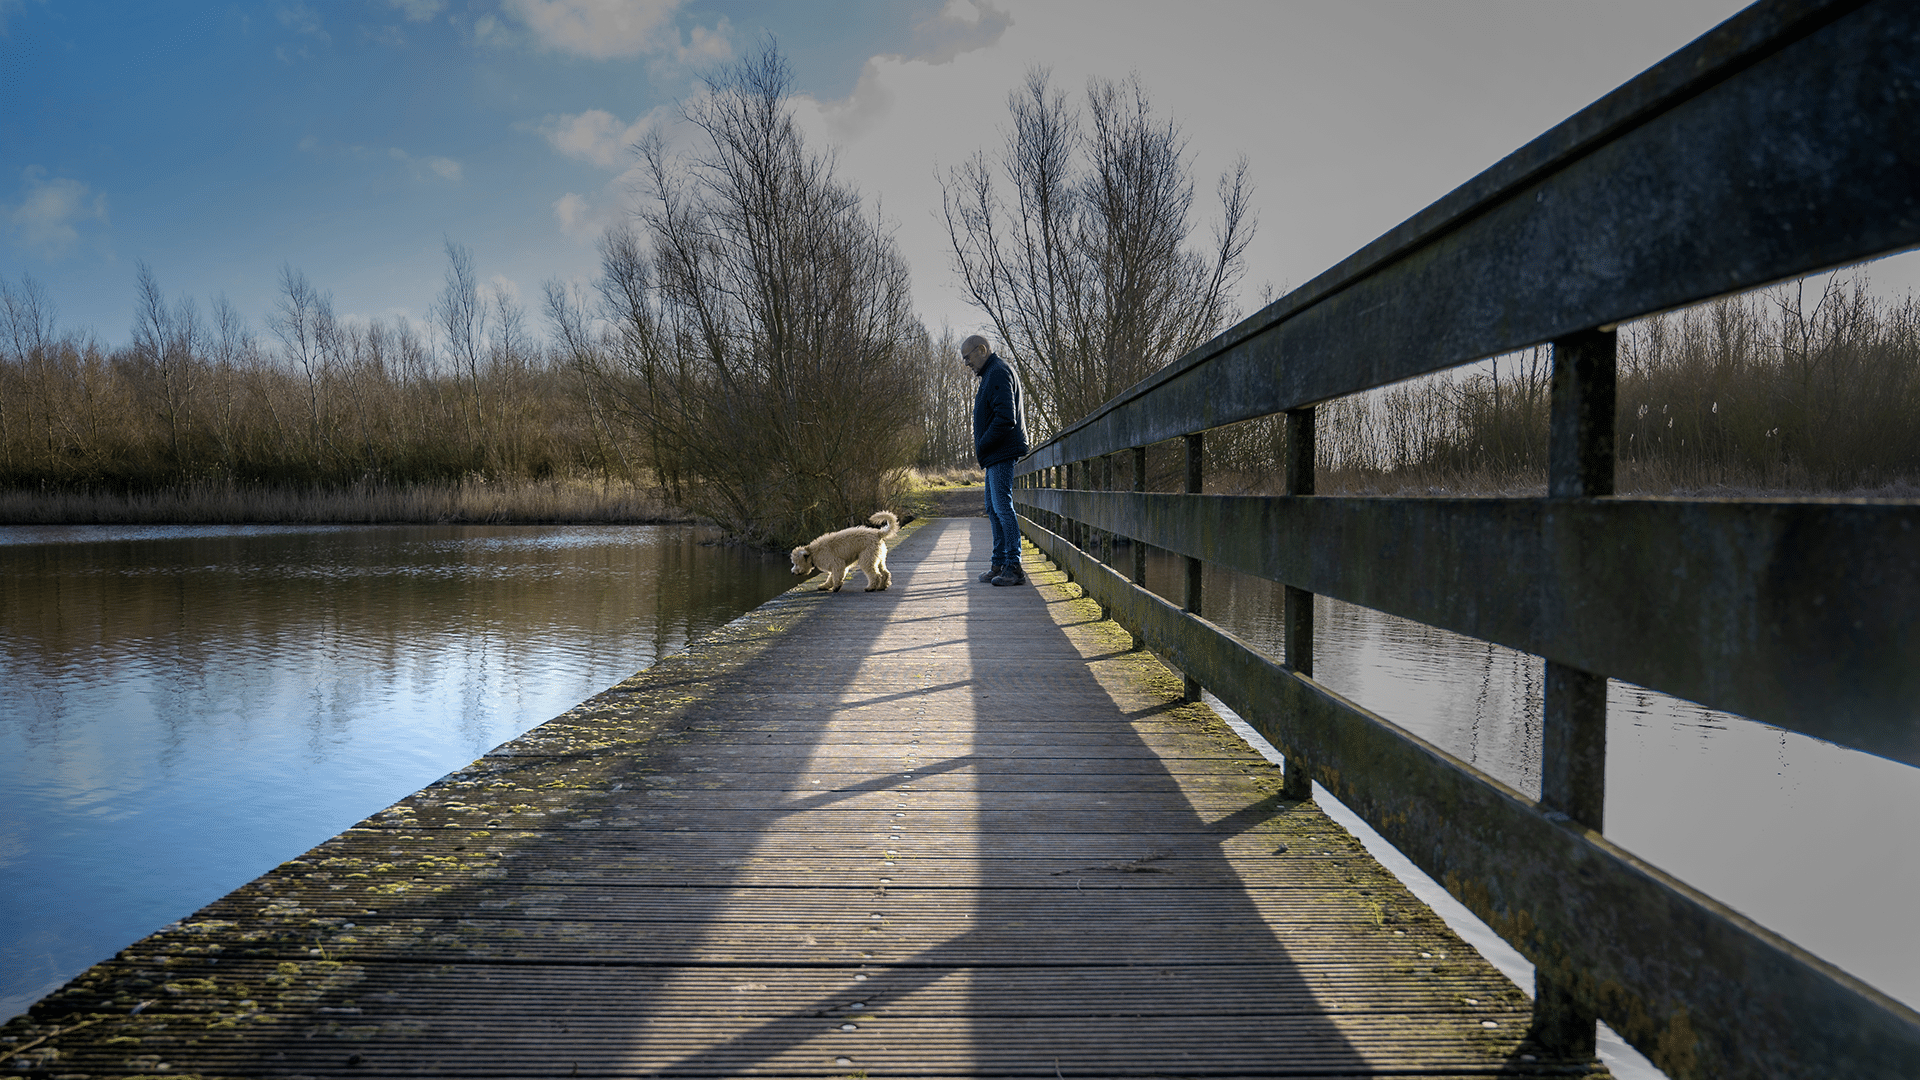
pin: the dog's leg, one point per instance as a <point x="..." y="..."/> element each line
<point x="880" y="564"/>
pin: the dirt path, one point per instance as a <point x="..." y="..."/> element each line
<point x="958" y="502"/>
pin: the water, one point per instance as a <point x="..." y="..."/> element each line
<point x="183" y="708"/>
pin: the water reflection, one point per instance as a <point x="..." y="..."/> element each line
<point x="182" y="708"/>
<point x="1810" y="840"/>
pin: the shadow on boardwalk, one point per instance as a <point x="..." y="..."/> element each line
<point x="942" y="830"/>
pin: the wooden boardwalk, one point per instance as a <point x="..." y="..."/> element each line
<point x="943" y="830"/>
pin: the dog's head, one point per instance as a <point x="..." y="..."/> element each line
<point x="802" y="562"/>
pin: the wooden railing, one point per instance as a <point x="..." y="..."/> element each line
<point x="1784" y="142"/>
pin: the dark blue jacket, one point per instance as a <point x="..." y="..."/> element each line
<point x="999" y="415"/>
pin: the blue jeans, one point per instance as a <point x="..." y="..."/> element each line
<point x="1006" y="530"/>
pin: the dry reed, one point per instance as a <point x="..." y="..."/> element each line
<point x="577" y="501"/>
<point x="1769" y="393"/>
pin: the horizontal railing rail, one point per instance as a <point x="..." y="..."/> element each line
<point x="1798" y="614"/>
<point x="1784" y="142"/>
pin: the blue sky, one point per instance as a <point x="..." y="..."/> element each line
<point x="351" y="139"/>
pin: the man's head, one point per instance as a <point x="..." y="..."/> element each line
<point x="975" y="351"/>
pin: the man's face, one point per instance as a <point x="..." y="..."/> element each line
<point x="976" y="359"/>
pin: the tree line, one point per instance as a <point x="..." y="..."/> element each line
<point x="747" y="351"/>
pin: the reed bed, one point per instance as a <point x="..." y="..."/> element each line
<point x="572" y="502"/>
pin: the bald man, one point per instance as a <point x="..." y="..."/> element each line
<point x="999" y="440"/>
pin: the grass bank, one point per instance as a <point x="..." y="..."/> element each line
<point x="574" y="501"/>
<point x="564" y="502"/>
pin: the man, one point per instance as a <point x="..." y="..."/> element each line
<point x="999" y="439"/>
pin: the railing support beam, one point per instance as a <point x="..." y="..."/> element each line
<point x="1573" y="772"/>
<point x="1106" y="538"/>
<point x="1195" y="445"/>
<point x="1139" y="546"/>
<point x="1297" y="781"/>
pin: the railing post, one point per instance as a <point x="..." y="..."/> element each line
<point x="1055" y="483"/>
<point x="1083" y="481"/>
<point x="1297" y="781"/>
<point x="1068" y="528"/>
<point x="1106" y="484"/>
<point x="1139" y="485"/>
<point x="1106" y="535"/>
<point x="1073" y="484"/>
<point x="1573" y="768"/>
<point x="1194" y="566"/>
<point x="1139" y="545"/>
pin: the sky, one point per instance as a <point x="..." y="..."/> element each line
<point x="352" y="140"/>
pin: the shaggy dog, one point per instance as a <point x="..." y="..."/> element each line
<point x="838" y="552"/>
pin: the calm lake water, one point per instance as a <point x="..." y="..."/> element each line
<point x="183" y="708"/>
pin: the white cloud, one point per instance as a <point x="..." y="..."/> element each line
<point x="960" y="26"/>
<point x="419" y="10"/>
<point x="597" y="136"/>
<point x="600" y="29"/>
<point x="389" y="36"/>
<point x="606" y="29"/>
<point x="443" y="167"/>
<point x="47" y="221"/>
<point x="505" y="286"/>
<point x="602" y="139"/>
<point x="420" y="168"/>
<point x="706" y="46"/>
<point x="584" y="218"/>
<point x="302" y="19"/>
<point x="492" y="33"/>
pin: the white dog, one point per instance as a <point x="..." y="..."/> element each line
<point x="839" y="552"/>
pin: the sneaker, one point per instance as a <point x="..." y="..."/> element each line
<point x="987" y="578"/>
<point x="1010" y="576"/>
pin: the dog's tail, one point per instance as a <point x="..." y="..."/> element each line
<point x="886" y="522"/>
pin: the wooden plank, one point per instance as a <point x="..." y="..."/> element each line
<point x="1105" y="886"/>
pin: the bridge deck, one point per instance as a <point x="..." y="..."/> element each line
<point x="943" y="830"/>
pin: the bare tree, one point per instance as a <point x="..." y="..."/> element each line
<point x="303" y="321"/>
<point x="168" y="342"/>
<point x="462" y="316"/>
<point x="759" y="329"/>
<point x="26" y="330"/>
<point x="567" y="313"/>
<point x="1086" y="270"/>
<point x="233" y="348"/>
<point x="946" y="396"/>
